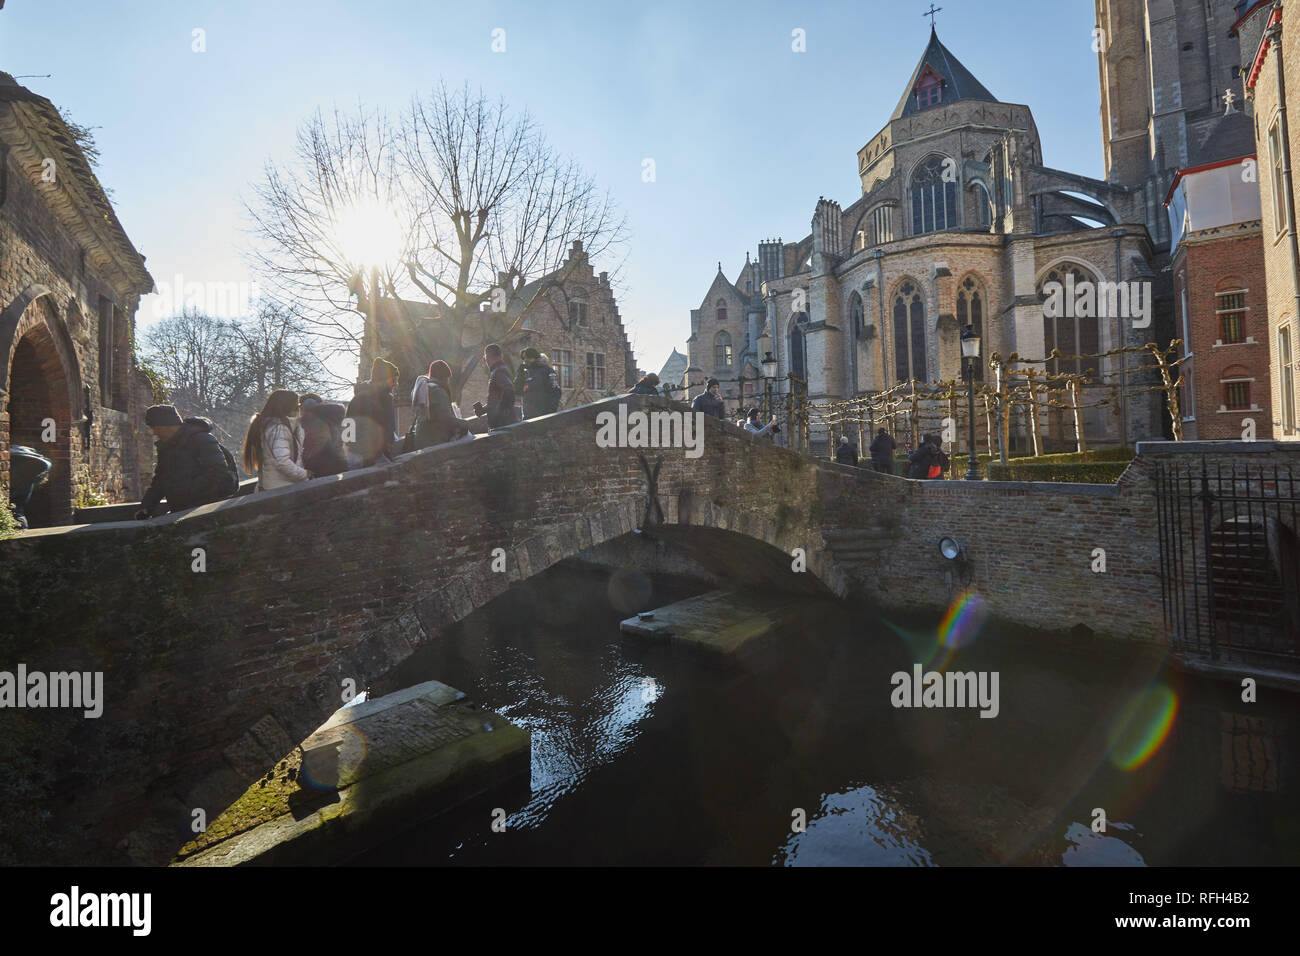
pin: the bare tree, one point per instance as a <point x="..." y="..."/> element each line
<point x="480" y="215"/>
<point x="273" y="350"/>
<point x="224" y="369"/>
<point x="193" y="352"/>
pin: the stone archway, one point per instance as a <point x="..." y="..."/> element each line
<point x="38" y="389"/>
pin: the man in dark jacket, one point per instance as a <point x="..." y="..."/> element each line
<point x="322" y="444"/>
<point x="537" y="383"/>
<point x="847" y="452"/>
<point x="710" y="402"/>
<point x="373" y="415"/>
<point x="882" y="452"/>
<point x="192" y="469"/>
<point x="501" y="390"/>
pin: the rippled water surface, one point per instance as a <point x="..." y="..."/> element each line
<point x="793" y="755"/>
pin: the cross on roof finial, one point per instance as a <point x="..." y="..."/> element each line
<point x="930" y="13"/>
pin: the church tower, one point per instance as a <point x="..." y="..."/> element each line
<point x="1163" y="68"/>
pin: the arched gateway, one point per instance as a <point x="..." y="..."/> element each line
<point x="40" y="387"/>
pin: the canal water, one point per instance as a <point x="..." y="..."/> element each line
<point x="794" y="754"/>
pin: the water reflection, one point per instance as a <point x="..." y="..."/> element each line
<point x="1089" y="848"/>
<point x="864" y="826"/>
<point x="657" y="755"/>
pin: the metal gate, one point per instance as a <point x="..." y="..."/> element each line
<point x="1230" y="560"/>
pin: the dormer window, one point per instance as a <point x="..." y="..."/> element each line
<point x="928" y="89"/>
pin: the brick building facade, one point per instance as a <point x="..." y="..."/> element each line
<point x="1220" y="298"/>
<point x="70" y="284"/>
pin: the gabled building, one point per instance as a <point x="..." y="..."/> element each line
<point x="674" y="369"/>
<point x="70" y="284"/>
<point x="572" y="316"/>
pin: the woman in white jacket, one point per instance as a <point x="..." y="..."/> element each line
<point x="273" y="445"/>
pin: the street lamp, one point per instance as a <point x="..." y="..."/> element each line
<point x="769" y="373"/>
<point x="970" y="351"/>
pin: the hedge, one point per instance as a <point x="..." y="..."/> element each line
<point x="1092" y="472"/>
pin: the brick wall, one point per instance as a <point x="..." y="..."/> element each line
<point x="1203" y="268"/>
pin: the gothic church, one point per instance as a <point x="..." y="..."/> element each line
<point x="959" y="222"/>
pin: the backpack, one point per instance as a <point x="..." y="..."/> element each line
<point x="231" y="468"/>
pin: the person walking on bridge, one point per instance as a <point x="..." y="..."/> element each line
<point x="436" y="422"/>
<point x="754" y="428"/>
<point x="274" y="443"/>
<point x="373" y="415"/>
<point x="193" y="468"/>
<point x="709" y="401"/>
<point x="501" y="390"/>
<point x="648" y="385"/>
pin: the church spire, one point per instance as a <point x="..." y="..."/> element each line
<point x="939" y="77"/>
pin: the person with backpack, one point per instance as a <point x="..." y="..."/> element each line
<point x="322" y="436"/>
<point x="882" y="452"/>
<point x="273" y="444"/>
<point x="929" y="460"/>
<point x="536" y="383"/>
<point x="436" y="422"/>
<point x="193" y="468"/>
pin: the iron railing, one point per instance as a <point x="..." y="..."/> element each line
<point x="1230" y="560"/>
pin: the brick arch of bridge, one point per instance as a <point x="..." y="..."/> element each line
<point x="227" y="636"/>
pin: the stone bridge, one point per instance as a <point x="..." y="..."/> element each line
<point x="225" y="634"/>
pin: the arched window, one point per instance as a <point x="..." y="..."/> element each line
<point x="722" y="310"/>
<point x="909" y="333"/>
<point x="1070" y="320"/>
<point x="722" y="350"/>
<point x="970" y="311"/>
<point x="985" y="205"/>
<point x="798" y="354"/>
<point x="934" y="199"/>
<point x="882" y="224"/>
<point x="856" y="315"/>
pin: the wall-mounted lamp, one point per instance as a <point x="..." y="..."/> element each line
<point x="951" y="548"/>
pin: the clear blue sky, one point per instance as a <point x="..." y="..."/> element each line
<point x="745" y="133"/>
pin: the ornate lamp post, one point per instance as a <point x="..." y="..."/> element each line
<point x="970" y="351"/>
<point x="769" y="374"/>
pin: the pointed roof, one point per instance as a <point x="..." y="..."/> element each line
<point x="959" y="82"/>
<point x="1232" y="137"/>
